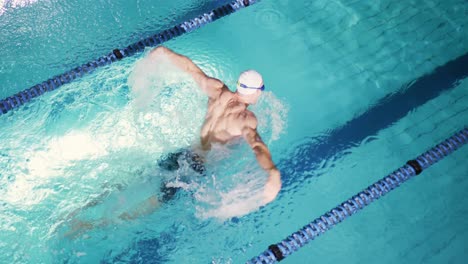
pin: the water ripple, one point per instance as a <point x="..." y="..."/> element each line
<point x="269" y="18"/>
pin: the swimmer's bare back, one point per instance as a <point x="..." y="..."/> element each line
<point x="227" y="117"/>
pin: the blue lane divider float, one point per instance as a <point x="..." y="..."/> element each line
<point x="25" y="96"/>
<point x="295" y="241"/>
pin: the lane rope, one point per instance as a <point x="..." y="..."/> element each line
<point x="55" y="82"/>
<point x="319" y="226"/>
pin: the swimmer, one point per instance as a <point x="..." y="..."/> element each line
<point x="227" y="119"/>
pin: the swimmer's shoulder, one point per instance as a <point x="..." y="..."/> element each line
<point x="213" y="87"/>
<point x="224" y="95"/>
<point x="225" y="90"/>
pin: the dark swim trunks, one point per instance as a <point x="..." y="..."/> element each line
<point x="172" y="162"/>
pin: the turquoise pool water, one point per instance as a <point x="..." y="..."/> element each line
<point x="346" y="104"/>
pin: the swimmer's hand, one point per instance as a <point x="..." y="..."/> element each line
<point x="272" y="186"/>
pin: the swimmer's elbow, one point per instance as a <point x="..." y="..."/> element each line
<point x="260" y="150"/>
<point x="161" y="49"/>
<point x="158" y="51"/>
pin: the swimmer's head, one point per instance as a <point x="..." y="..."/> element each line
<point x="250" y="86"/>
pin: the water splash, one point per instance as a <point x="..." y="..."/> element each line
<point x="231" y="192"/>
<point x="167" y="106"/>
<point x="11" y="4"/>
<point x="272" y="115"/>
<point x="150" y="77"/>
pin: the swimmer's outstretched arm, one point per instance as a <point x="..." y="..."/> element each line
<point x="273" y="184"/>
<point x="210" y="86"/>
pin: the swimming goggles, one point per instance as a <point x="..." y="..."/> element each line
<point x="248" y="87"/>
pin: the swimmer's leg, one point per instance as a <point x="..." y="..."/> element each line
<point x="148" y="206"/>
<point x="77" y="226"/>
<point x="144" y="208"/>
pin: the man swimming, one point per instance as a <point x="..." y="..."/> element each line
<point x="227" y="117"/>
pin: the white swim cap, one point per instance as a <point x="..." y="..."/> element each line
<point x="249" y="82"/>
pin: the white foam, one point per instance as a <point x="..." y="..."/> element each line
<point x="226" y="196"/>
<point x="150" y="77"/>
<point x="4" y="4"/>
<point x="2" y="7"/>
<point x="155" y="121"/>
<point x="272" y="115"/>
<point x="166" y="104"/>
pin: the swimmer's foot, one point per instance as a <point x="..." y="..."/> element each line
<point x="78" y="228"/>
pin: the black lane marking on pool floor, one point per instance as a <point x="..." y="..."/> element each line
<point x="308" y="156"/>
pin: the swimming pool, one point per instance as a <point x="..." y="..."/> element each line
<point x="356" y="90"/>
